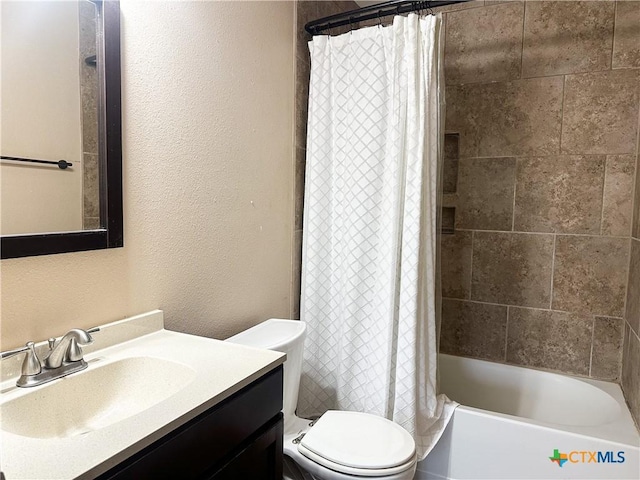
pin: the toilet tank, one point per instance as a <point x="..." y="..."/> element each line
<point x="285" y="336"/>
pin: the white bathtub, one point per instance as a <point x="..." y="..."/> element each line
<point x="512" y="420"/>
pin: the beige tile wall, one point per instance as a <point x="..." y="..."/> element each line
<point x="626" y="53"/>
<point x="631" y="347"/>
<point x="631" y="351"/>
<point x="545" y="98"/>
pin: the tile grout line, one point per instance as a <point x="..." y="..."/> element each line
<point x="593" y="332"/>
<point x="550" y="155"/>
<point x="604" y="187"/>
<point x="621" y="354"/>
<point x="522" y="365"/>
<point x="506" y="334"/>
<point x="471" y="6"/>
<point x="624" y="237"/>
<point x="626" y="285"/>
<point x="564" y="93"/>
<point x="632" y="332"/>
<point x="613" y="33"/>
<point x="524" y="79"/>
<point x="524" y="18"/>
<point x="515" y="188"/>
<point x="530" y="308"/>
<point x="636" y="185"/>
<point x="473" y="235"/>
<point x="553" y="271"/>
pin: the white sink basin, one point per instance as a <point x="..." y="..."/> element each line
<point x="94" y="398"/>
<point x="142" y="382"/>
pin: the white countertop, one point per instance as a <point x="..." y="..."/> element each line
<point x="221" y="369"/>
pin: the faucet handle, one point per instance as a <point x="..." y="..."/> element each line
<point x="11" y="353"/>
<point x="52" y="343"/>
<point x="31" y="364"/>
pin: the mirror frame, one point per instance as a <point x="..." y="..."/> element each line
<point x="110" y="234"/>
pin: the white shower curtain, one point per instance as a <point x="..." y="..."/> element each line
<point x="369" y="240"/>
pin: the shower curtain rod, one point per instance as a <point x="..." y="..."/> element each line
<point x="379" y="10"/>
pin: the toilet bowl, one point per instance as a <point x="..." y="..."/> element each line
<point x="339" y="445"/>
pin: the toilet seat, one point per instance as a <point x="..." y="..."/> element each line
<point x="358" y="444"/>
<point x="356" y="472"/>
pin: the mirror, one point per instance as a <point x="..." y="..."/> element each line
<point x="61" y="181"/>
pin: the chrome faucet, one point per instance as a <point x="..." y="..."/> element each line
<point x="67" y="349"/>
<point x="64" y="358"/>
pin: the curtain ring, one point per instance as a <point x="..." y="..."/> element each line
<point x="379" y="18"/>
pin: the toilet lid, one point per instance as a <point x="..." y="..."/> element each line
<point x="358" y="440"/>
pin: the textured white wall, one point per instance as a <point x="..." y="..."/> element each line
<point x="208" y="169"/>
<point x="40" y="113"/>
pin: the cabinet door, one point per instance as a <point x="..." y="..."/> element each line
<point x="260" y="460"/>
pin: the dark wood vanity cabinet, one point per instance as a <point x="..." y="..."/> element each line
<point x="239" y="438"/>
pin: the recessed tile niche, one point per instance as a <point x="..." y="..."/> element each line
<point x="450" y="181"/>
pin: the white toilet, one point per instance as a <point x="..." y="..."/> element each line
<point x="339" y="445"/>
